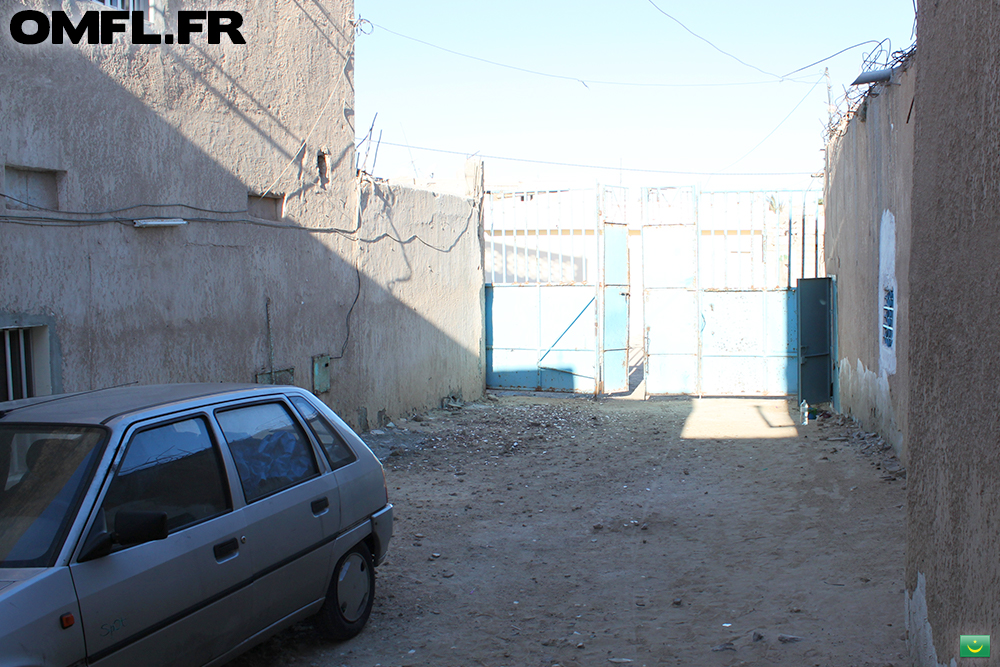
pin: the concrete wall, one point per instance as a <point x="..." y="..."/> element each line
<point x="418" y="334"/>
<point x="952" y="569"/>
<point x="130" y="132"/>
<point x="869" y="167"/>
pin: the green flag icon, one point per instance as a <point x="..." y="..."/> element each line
<point x="974" y="646"/>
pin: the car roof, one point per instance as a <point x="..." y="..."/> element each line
<point x="102" y="405"/>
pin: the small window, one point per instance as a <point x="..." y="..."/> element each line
<point x="270" y="450"/>
<point x="24" y="367"/>
<point x="337" y="451"/>
<point x="173" y="469"/>
<point x="31" y="189"/>
<point x="888" y="317"/>
<point x="266" y="207"/>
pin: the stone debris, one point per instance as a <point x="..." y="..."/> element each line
<point x="789" y="639"/>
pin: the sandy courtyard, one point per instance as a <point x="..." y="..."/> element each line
<point x="567" y="531"/>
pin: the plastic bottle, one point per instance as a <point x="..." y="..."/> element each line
<point x="804" y="410"/>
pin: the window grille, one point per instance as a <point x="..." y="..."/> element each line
<point x="16" y="380"/>
<point x="888" y="317"/>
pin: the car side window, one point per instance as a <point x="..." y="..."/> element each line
<point x="270" y="450"/>
<point x="174" y="469"/>
<point x="337" y="451"/>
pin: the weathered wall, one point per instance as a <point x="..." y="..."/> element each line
<point x="418" y="332"/>
<point x="952" y="569"/>
<point x="868" y="189"/>
<point x="134" y="132"/>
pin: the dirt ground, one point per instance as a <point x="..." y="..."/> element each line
<point x="546" y="531"/>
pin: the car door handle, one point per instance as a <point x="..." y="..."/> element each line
<point x="224" y="550"/>
<point x="320" y="506"/>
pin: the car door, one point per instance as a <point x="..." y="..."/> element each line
<point x="182" y="600"/>
<point x="288" y="501"/>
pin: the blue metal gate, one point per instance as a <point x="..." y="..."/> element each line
<point x="719" y="307"/>
<point x="556" y="268"/>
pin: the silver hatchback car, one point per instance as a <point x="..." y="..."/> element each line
<point x="181" y="524"/>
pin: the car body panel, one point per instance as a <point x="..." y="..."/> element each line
<point x="31" y="607"/>
<point x="151" y="604"/>
<point x="286" y="545"/>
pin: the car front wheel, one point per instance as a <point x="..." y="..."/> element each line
<point x="349" y="598"/>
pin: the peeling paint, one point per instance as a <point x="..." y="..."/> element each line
<point x="866" y="397"/>
<point x="920" y="636"/>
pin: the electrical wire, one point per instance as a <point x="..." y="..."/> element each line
<point x="869" y="41"/>
<point x="725" y="53"/>
<point x="585" y="82"/>
<point x="119" y="210"/>
<point x="599" y="167"/>
<point x="48" y="221"/>
<point x="288" y="166"/>
<point x="778" y="125"/>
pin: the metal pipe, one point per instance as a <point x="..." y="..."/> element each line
<point x="803" y="239"/>
<point x="789" y="283"/>
<point x="874" y="76"/>
<point x="23" y="364"/>
<point x="816" y="236"/>
<point x="8" y="362"/>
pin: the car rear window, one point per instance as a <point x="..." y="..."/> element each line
<point x="270" y="450"/>
<point x="44" y="471"/>
<point x="337" y="451"/>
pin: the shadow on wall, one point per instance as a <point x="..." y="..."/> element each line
<point x="227" y="295"/>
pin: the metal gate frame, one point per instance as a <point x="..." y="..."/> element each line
<point x="613" y="291"/>
<point x="565" y="349"/>
<point x="680" y="357"/>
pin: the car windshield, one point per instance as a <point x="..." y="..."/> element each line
<point x="44" y="471"/>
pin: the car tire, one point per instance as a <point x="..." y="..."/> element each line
<point x="350" y="595"/>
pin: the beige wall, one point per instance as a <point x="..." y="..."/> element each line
<point x="952" y="564"/>
<point x="868" y="190"/>
<point x="132" y="132"/>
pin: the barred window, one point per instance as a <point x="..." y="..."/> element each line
<point x="888" y="317"/>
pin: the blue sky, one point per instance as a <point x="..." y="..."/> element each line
<point x="428" y="98"/>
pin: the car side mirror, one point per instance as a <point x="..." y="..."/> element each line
<point x="131" y="528"/>
<point x="99" y="542"/>
<point x="134" y="527"/>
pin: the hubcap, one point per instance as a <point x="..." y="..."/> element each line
<point x="352" y="587"/>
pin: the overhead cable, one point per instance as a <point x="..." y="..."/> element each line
<point x="725" y="53"/>
<point x="595" y="166"/>
<point x="585" y="82"/>
<point x="777" y="126"/>
<point x="867" y="41"/>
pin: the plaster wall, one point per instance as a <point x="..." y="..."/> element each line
<point x="867" y="248"/>
<point x="953" y="531"/>
<point x="393" y="294"/>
